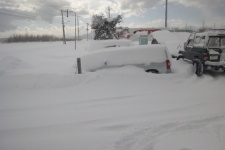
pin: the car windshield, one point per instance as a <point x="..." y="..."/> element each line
<point x="214" y="42"/>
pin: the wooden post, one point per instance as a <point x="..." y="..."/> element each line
<point x="79" y="65"/>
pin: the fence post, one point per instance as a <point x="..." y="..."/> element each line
<point x="79" y="65"/>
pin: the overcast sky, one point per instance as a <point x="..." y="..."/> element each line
<point x="44" y="16"/>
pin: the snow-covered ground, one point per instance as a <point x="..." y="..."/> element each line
<point x="44" y="105"/>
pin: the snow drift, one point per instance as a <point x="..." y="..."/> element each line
<point x="100" y="44"/>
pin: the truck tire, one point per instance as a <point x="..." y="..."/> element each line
<point x="198" y="67"/>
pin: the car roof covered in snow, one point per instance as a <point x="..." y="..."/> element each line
<point x="163" y="36"/>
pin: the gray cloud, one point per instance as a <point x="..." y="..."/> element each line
<point x="4" y="4"/>
<point x="83" y="12"/>
<point x="5" y="25"/>
<point x="213" y="10"/>
<point x="134" y="4"/>
<point x="209" y="7"/>
<point x="11" y="10"/>
<point x="50" y="8"/>
<point x="137" y="7"/>
<point x="7" y="16"/>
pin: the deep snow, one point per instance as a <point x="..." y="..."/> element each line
<point x="45" y="105"/>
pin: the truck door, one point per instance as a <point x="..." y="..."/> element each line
<point x="199" y="48"/>
<point x="188" y="49"/>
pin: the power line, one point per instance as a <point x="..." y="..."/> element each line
<point x="25" y="17"/>
<point x="16" y="13"/>
<point x="7" y="3"/>
<point x="13" y="13"/>
<point x="32" y="5"/>
<point x="50" y="4"/>
<point x="16" y="4"/>
<point x="25" y="14"/>
<point x="17" y="10"/>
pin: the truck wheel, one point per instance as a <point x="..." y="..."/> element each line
<point x="198" y="67"/>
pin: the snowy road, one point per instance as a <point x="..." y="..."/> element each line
<point x="44" y="105"/>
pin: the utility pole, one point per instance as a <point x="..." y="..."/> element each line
<point x="63" y="26"/>
<point x="75" y="22"/>
<point x="78" y="27"/>
<point x="87" y="31"/>
<point x="75" y="30"/>
<point x="203" y="24"/>
<point x="109" y="11"/>
<point x="166" y="14"/>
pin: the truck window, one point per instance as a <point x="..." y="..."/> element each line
<point x="214" y="42"/>
<point x="223" y="42"/>
<point x="197" y="39"/>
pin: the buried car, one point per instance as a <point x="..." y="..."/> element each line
<point x="152" y="58"/>
<point x="205" y="50"/>
<point x="102" y="44"/>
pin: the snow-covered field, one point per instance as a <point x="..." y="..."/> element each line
<point x="44" y="105"/>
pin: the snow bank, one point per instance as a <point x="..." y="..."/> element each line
<point x="134" y="55"/>
<point x="100" y="44"/>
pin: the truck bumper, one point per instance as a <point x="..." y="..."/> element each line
<point x="220" y="63"/>
<point x="215" y="65"/>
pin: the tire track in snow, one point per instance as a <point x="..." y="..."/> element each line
<point x="145" y="137"/>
